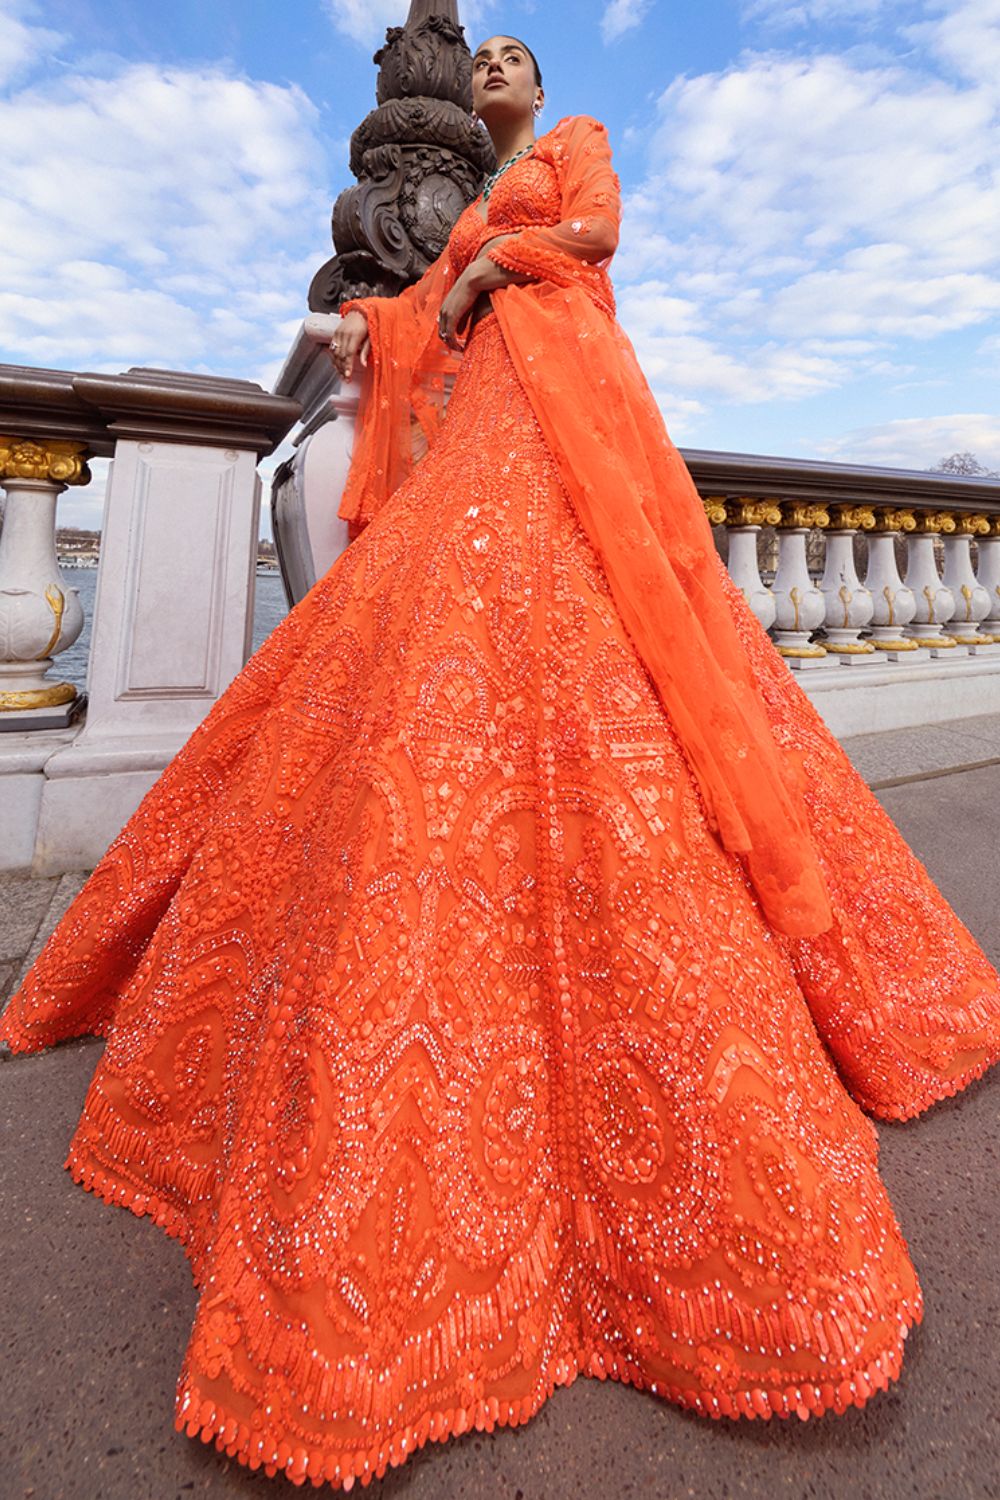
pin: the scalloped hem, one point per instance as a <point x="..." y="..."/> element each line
<point x="22" y="1043"/>
<point x="943" y="1089"/>
<point x="211" y="1423"/>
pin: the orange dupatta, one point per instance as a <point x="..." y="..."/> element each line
<point x="633" y="495"/>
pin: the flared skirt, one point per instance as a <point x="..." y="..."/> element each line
<point x="451" y="1044"/>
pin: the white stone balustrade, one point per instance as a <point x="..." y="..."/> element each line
<point x="929" y="640"/>
<point x="935" y="603"/>
<point x="972" y="600"/>
<point x="743" y="521"/>
<point x="988" y="576"/>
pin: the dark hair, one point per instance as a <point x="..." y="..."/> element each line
<point x="534" y="59"/>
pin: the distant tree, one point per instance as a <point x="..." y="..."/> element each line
<point x="964" y="463"/>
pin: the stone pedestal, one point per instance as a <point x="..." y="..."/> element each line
<point x="935" y="603"/>
<point x="744" y="519"/>
<point x="173" y="615"/>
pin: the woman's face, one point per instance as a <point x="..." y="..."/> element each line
<point x="503" y="80"/>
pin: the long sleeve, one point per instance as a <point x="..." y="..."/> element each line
<point x="591" y="209"/>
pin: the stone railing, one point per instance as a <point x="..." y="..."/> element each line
<point x="175" y="590"/>
<point x="893" y="571"/>
<point x="888" y="612"/>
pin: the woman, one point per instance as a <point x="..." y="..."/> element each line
<point x="494" y="983"/>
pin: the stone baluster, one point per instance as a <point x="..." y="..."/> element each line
<point x="988" y="575"/>
<point x="40" y="614"/>
<point x="800" y="607"/>
<point x="743" y="519"/>
<point x="849" y="605"/>
<point x="972" y="602"/>
<point x="935" y="602"/>
<point x="893" y="604"/>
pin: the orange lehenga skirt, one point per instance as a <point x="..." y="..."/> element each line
<point x="451" y="1044"/>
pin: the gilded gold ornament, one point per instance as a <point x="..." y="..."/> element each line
<point x="47" y="697"/>
<point x="973" y="525"/>
<point x="935" y="521"/>
<point x="58" y="461"/>
<point x="796" y="514"/>
<point x="892" y="518"/>
<point x="853" y="518"/>
<point x="57" y="603"/>
<point x="753" y="512"/>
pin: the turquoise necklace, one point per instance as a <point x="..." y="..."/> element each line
<point x="494" y="177"/>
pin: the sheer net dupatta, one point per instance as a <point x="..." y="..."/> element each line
<point x="638" y="503"/>
<point x="632" y="493"/>
<point x="404" y="390"/>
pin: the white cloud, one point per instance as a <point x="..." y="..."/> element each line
<point x="365" y="21"/>
<point x="167" y="216"/>
<point x="919" y="442"/>
<point x="680" y="353"/>
<point x="989" y="353"/>
<point x="22" y="43"/>
<point x="879" y="289"/>
<point x="621" y="16"/>
<point x="808" y="12"/>
<point x="803" y="206"/>
<point x="965" y="36"/>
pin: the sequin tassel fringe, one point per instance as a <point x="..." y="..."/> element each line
<point x="209" y="1422"/>
<point x="204" y="1419"/>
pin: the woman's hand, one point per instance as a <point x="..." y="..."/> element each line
<point x="349" y="342"/>
<point x="455" y="306"/>
<point x="481" y="275"/>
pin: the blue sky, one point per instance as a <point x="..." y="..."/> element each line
<point x="810" y="256"/>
